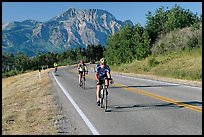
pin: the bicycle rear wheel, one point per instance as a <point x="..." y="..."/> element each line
<point x="84" y="82"/>
<point x="81" y="84"/>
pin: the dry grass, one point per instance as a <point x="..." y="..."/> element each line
<point x="177" y="40"/>
<point x="27" y="105"/>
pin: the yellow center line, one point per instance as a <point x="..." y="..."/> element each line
<point x="191" y="107"/>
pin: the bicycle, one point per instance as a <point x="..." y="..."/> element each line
<point x="55" y="70"/>
<point x="104" y="96"/>
<point x="82" y="82"/>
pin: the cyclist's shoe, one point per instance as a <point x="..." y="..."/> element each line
<point x="98" y="103"/>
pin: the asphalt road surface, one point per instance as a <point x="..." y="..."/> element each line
<point x="135" y="106"/>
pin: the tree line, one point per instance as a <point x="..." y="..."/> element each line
<point x="19" y="63"/>
<point x="136" y="42"/>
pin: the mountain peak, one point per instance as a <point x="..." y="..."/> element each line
<point x="78" y="13"/>
<point x="30" y="22"/>
<point x="71" y="29"/>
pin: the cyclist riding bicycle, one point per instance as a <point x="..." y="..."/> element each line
<point x="55" y="66"/>
<point x="82" y="68"/>
<point x="102" y="71"/>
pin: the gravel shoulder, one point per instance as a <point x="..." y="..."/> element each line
<point x="63" y="120"/>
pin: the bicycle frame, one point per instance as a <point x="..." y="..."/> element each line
<point x="104" y="97"/>
<point x="55" y="69"/>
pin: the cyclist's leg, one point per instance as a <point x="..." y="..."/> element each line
<point x="106" y="84"/>
<point x="98" y="89"/>
<point x="80" y="75"/>
<point x="84" y="75"/>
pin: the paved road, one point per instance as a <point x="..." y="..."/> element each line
<point x="136" y="106"/>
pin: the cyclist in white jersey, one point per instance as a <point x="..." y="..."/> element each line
<point x="82" y="68"/>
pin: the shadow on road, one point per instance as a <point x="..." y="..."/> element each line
<point x="135" y="86"/>
<point x="154" y="106"/>
<point x="142" y="86"/>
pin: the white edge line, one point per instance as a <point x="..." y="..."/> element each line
<point x="86" y="120"/>
<point x="171" y="83"/>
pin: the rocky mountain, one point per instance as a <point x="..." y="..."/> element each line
<point x="74" y="28"/>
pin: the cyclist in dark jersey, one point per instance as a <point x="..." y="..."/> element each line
<point x="102" y="71"/>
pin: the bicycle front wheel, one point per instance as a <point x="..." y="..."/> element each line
<point x="105" y="99"/>
<point x="84" y="84"/>
<point x="102" y="97"/>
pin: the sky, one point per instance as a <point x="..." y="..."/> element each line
<point x="44" y="11"/>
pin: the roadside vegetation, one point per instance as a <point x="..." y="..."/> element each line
<point x="186" y="65"/>
<point x="170" y="45"/>
<point x="28" y="107"/>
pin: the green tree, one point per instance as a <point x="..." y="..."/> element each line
<point x="178" y="17"/>
<point x="21" y="62"/>
<point x="120" y="47"/>
<point x="165" y="21"/>
<point x="79" y="54"/>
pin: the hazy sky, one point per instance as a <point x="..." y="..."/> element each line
<point x="44" y="11"/>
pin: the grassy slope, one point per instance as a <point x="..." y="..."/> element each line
<point x="180" y="65"/>
<point x="27" y="105"/>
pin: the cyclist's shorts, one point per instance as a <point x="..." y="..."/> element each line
<point x="101" y="81"/>
<point x="81" y="72"/>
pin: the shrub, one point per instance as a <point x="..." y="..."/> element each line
<point x="192" y="43"/>
<point x="152" y="62"/>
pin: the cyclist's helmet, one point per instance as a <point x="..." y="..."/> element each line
<point x="102" y="60"/>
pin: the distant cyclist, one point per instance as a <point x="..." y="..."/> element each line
<point x="102" y="71"/>
<point x="55" y="66"/>
<point x="82" y="68"/>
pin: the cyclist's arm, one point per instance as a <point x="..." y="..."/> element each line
<point x="108" y="75"/>
<point x="96" y="76"/>
<point x="108" y="72"/>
